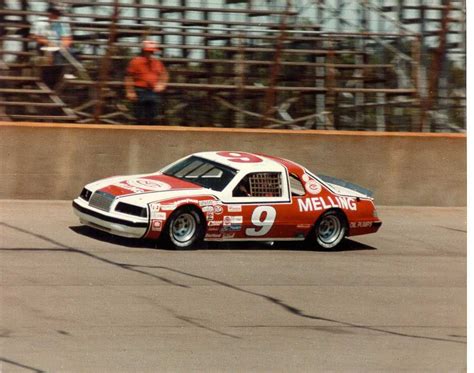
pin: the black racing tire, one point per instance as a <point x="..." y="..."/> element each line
<point x="185" y="229"/>
<point x="329" y="231"/>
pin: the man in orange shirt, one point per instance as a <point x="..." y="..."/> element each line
<point x="146" y="77"/>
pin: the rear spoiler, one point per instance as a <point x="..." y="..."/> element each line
<point x="346" y="184"/>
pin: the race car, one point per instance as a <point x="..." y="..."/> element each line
<point x="229" y="196"/>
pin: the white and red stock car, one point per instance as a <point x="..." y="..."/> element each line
<point x="223" y="196"/>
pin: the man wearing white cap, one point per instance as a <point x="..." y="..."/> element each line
<point x="146" y="77"/>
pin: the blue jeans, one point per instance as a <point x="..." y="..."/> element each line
<point x="146" y="106"/>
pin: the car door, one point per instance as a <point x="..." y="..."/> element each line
<point x="262" y="208"/>
<point x="283" y="220"/>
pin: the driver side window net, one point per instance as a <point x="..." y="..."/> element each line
<point x="266" y="184"/>
<point x="262" y="184"/>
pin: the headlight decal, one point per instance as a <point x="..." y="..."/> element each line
<point x="85" y="194"/>
<point x="126" y="208"/>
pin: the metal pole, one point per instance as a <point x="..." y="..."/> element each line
<point x="321" y="72"/>
<point x="240" y="80"/>
<point x="417" y="118"/>
<point x="105" y="64"/>
<point x="380" y="97"/>
<point x="270" y="95"/>
<point x="359" y="98"/>
<point x="331" y="95"/>
<point x="437" y="62"/>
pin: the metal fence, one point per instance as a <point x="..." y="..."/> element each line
<point x="327" y="64"/>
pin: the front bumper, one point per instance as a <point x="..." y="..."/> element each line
<point x="133" y="228"/>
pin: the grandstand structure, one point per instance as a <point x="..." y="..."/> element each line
<point x="382" y="65"/>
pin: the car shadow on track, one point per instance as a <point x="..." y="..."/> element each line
<point x="86" y="231"/>
<point x="346" y="245"/>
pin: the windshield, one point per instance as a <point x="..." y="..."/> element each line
<point x="202" y="172"/>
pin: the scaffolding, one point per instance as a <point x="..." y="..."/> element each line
<point x="382" y="65"/>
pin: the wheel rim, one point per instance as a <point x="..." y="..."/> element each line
<point x="330" y="230"/>
<point x="183" y="228"/>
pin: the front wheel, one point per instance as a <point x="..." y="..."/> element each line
<point x="330" y="230"/>
<point x="185" y="229"/>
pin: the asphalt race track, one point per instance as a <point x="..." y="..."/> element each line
<point x="73" y="300"/>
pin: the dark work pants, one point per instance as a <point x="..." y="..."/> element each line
<point x="146" y="106"/>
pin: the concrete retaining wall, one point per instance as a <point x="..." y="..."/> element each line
<point x="42" y="161"/>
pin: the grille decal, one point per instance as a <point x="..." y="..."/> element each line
<point x="101" y="200"/>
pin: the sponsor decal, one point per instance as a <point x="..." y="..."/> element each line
<point x="303" y="226"/>
<point x="232" y="228"/>
<point x="324" y="203"/>
<point x="234" y="208"/>
<point x="187" y="200"/>
<point x="215" y="223"/>
<point x="149" y="184"/>
<point x="155" y="212"/>
<point x="210" y="216"/>
<point x="228" y="220"/>
<point x="168" y="207"/>
<point x="228" y="235"/>
<point x="143" y="185"/>
<point x="213" y="235"/>
<point x="211" y="205"/>
<point x="156" y="225"/>
<point x="311" y="185"/>
<point x="158" y="215"/>
<point x="361" y="224"/>
<point x="129" y="187"/>
<point x="237" y="219"/>
<point x="213" y="229"/>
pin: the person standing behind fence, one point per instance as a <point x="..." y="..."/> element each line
<point x="52" y="34"/>
<point x="146" y="77"/>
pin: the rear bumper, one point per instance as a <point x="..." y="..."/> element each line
<point x="364" y="227"/>
<point x="108" y="223"/>
<point x="377" y="225"/>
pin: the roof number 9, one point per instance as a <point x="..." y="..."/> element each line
<point x="240" y="157"/>
<point x="263" y="218"/>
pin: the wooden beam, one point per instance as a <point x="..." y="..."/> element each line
<point x="30" y="103"/>
<point x="25" y="91"/>
<point x="42" y="117"/>
<point x="19" y="78"/>
<point x="231" y="87"/>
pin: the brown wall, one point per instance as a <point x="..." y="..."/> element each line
<point x="42" y="161"/>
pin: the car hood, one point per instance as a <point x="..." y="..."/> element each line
<point x="146" y="188"/>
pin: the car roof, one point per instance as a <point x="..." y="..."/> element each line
<point x="267" y="163"/>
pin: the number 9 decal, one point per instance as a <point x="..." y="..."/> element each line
<point x="263" y="218"/>
<point x="240" y="157"/>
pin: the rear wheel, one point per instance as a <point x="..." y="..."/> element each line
<point x="330" y="230"/>
<point x="185" y="229"/>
